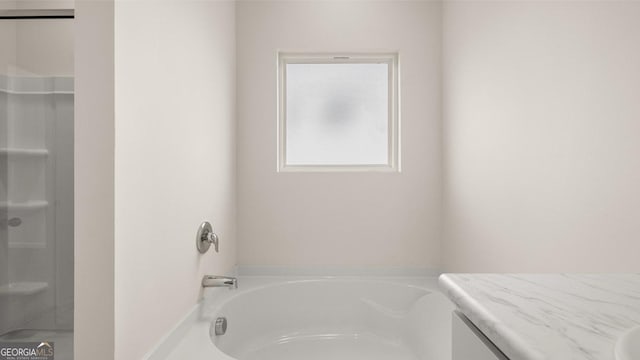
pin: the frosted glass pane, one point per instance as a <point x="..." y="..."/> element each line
<point x="337" y="114"/>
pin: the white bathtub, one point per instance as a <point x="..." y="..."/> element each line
<point x="337" y="318"/>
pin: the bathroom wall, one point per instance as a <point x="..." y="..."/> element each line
<point x="36" y="54"/>
<point x="8" y="39"/>
<point x="50" y="55"/>
<point x="541" y="122"/>
<point x="94" y="186"/>
<point x="174" y="160"/>
<point x="38" y="4"/>
<point x="339" y="219"/>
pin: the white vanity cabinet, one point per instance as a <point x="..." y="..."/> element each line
<point x="469" y="343"/>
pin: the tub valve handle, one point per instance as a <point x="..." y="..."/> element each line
<point x="206" y="237"/>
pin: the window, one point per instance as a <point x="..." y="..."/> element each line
<point x="338" y="112"/>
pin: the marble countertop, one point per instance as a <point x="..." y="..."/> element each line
<point x="549" y="316"/>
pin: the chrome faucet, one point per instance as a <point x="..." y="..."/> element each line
<point x="219" y="281"/>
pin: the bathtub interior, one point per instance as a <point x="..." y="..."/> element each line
<point x="336" y="319"/>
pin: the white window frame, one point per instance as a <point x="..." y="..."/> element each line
<point x="393" y="144"/>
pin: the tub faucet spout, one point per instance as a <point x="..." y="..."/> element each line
<point x="219" y="281"/>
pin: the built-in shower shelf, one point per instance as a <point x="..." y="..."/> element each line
<point x="13" y="92"/>
<point x="24" y="152"/>
<point x="23" y="288"/>
<point x="27" y="245"/>
<point x="23" y="206"/>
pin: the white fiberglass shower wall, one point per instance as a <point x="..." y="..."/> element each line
<point x="36" y="182"/>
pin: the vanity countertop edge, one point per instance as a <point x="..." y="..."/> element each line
<point x="548" y="316"/>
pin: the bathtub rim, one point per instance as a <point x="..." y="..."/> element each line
<point x="223" y="299"/>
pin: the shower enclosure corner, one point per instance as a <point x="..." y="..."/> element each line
<point x="36" y="179"/>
